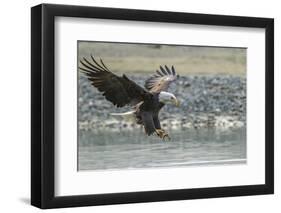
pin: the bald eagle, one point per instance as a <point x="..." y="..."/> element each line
<point x="146" y="101"/>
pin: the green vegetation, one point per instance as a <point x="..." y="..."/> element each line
<point x="188" y="60"/>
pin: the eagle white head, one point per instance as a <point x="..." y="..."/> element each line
<point x="168" y="98"/>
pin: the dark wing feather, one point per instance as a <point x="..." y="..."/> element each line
<point x="120" y="91"/>
<point x="161" y="80"/>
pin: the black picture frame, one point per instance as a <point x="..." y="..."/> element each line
<point x="43" y="111"/>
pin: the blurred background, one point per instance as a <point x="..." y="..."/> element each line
<point x="146" y="58"/>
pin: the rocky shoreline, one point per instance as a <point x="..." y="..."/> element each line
<point x="216" y="101"/>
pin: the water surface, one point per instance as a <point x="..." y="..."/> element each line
<point x="101" y="150"/>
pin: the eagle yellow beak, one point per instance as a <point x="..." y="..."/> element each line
<point x="177" y="102"/>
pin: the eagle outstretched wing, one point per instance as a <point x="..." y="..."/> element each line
<point x="119" y="90"/>
<point x="161" y="80"/>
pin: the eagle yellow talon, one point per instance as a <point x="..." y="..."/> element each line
<point x="166" y="136"/>
<point x="162" y="134"/>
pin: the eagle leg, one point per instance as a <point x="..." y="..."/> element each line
<point x="162" y="134"/>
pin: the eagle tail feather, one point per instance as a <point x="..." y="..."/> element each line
<point x="127" y="116"/>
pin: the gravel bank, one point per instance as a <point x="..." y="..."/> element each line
<point x="216" y="101"/>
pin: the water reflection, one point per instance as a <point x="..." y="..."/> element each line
<point x="132" y="149"/>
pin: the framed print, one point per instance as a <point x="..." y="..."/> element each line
<point x="139" y="106"/>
